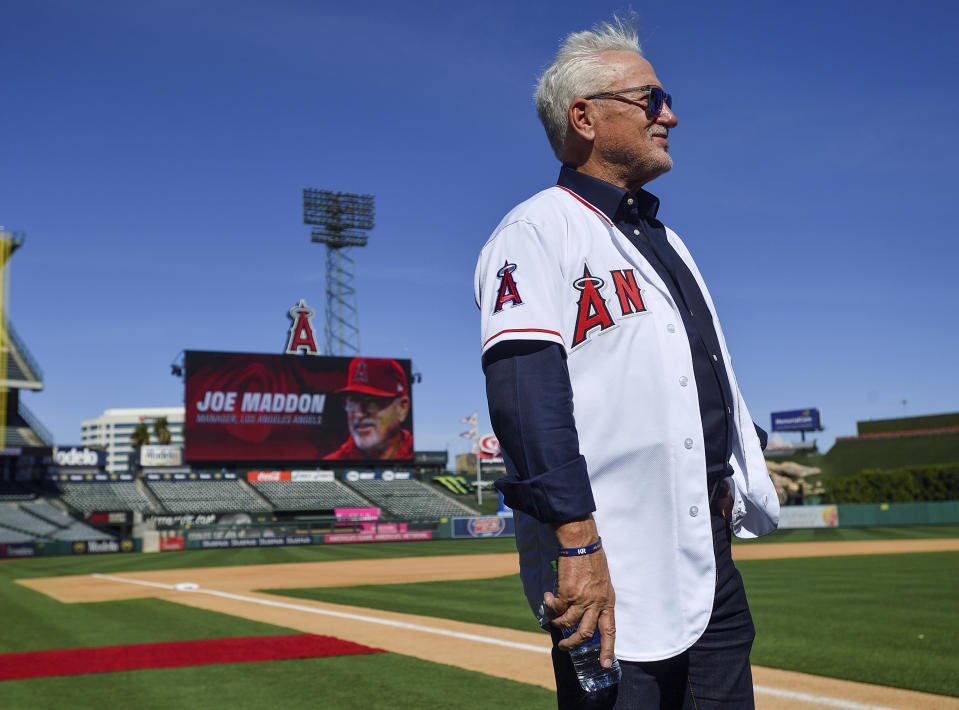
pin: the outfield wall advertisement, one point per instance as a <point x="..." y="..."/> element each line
<point x="492" y="526"/>
<point x="808" y="516"/>
<point x="254" y="407"/>
<point x="67" y="547"/>
<point x="409" y="535"/>
<point x="279" y="541"/>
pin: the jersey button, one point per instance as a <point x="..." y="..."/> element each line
<point x="636" y="232"/>
<point x="715" y="358"/>
<point x="688" y="443"/>
<point x="693" y="511"/>
<point x="630" y="201"/>
<point x="683" y="381"/>
<point x="670" y="328"/>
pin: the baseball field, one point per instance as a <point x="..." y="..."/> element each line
<point x="846" y="618"/>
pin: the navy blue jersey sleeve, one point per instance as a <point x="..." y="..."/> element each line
<point x="531" y="410"/>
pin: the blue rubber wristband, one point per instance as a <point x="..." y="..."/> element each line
<point x="580" y="551"/>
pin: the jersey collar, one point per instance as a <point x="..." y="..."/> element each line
<point x="610" y="199"/>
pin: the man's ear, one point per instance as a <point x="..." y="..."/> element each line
<point x="581" y="117"/>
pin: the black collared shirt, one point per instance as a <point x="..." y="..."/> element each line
<point x="635" y="216"/>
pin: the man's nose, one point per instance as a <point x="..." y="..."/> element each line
<point x="367" y="407"/>
<point x="667" y="118"/>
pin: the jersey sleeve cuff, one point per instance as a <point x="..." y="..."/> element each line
<point x="523" y="334"/>
<point x="556" y="496"/>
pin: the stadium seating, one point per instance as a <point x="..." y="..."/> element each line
<point x="308" y="495"/>
<point x="409" y="499"/>
<point x="7" y="536"/>
<point x="41" y="521"/>
<point x="13" y="517"/>
<point x="21" y="436"/>
<point x="69" y="528"/>
<point x="223" y="496"/>
<point x="106" y="497"/>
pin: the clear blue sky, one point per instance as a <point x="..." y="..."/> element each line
<point x="155" y="154"/>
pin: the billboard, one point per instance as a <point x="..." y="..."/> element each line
<point x="276" y="476"/>
<point x="161" y="455"/>
<point x="255" y="407"/>
<point x="79" y="456"/>
<point x="489" y="451"/>
<point x="495" y="526"/>
<point x="796" y="420"/>
<point x="809" y="516"/>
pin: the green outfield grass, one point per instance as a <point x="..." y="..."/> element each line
<point x="856" y="617"/>
<point x="385" y="680"/>
<point x="497" y="602"/>
<point x="32" y="621"/>
<point x="849" y="617"/>
<point x="886" y="619"/>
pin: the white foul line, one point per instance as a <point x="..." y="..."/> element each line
<point x="338" y="614"/>
<point x="793" y="695"/>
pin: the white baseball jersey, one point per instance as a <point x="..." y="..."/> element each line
<point x="557" y="269"/>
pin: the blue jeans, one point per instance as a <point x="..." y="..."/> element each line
<point x="713" y="674"/>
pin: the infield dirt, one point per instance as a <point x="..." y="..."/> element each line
<point x="505" y="653"/>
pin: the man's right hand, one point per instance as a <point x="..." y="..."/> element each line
<point x="584" y="592"/>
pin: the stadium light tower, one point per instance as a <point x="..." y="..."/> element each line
<point x="341" y="221"/>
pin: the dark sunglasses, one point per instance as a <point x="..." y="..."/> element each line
<point x="655" y="97"/>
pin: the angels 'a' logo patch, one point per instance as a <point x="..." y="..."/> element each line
<point x="507" y="291"/>
<point x="592" y="311"/>
<point x="302" y="338"/>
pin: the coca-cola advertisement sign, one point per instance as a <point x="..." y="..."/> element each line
<point x="254" y="407"/>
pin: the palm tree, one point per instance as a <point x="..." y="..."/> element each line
<point x="161" y="429"/>
<point x="138" y="438"/>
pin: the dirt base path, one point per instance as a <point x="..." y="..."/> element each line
<point x="517" y="655"/>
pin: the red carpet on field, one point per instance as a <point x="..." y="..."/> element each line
<point x="76" y="661"/>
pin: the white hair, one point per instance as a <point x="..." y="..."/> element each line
<point x="578" y="70"/>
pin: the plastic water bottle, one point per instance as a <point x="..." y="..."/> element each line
<point x="591" y="675"/>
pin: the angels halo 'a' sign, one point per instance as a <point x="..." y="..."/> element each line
<point x="489" y="444"/>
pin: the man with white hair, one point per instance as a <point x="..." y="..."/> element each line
<point x="589" y="303"/>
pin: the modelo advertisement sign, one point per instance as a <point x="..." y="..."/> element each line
<point x="796" y="420"/>
<point x="251" y="407"/>
<point x="78" y="457"/>
<point x="161" y="455"/>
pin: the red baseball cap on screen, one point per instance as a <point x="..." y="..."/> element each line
<point x="380" y="377"/>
